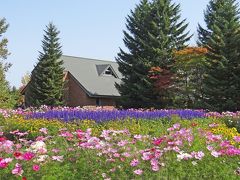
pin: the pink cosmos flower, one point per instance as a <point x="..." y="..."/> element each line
<point x="237" y="138"/>
<point x="158" y="141"/>
<point x="36" y="167"/>
<point x="210" y="148"/>
<point x="146" y="156"/>
<point x="28" y="156"/>
<point x="232" y="151"/>
<point x="66" y="134"/>
<point x="154" y="162"/>
<point x="213" y="125"/>
<point x="18" y="146"/>
<point x="134" y="162"/>
<point x="138" y="171"/>
<point x="57" y="158"/>
<point x="226" y="144"/>
<point x="122" y="143"/>
<point x="40" y="138"/>
<point x="155" y="168"/>
<point x="170" y="129"/>
<point x="4" y="162"/>
<point x="138" y="137"/>
<point x="71" y="149"/>
<point x="55" y="150"/>
<point x="43" y="130"/>
<point x="116" y="155"/>
<point x="42" y="151"/>
<point x="198" y="155"/>
<point x="17" y="170"/>
<point x="176" y="126"/>
<point x="126" y="154"/>
<point x="6" y="146"/>
<point x="176" y="149"/>
<point x="215" y="153"/>
<point x="184" y="156"/>
<point x="20" y="134"/>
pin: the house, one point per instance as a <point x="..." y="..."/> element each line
<point x="89" y="82"/>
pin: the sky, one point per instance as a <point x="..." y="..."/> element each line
<point x="91" y="29"/>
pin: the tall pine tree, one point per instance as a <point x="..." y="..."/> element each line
<point x="46" y="85"/>
<point x="221" y="37"/>
<point x="155" y="31"/>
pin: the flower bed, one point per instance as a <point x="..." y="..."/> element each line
<point x="106" y="115"/>
<point x="185" y="150"/>
<point x="113" y="144"/>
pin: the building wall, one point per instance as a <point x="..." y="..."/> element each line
<point x="76" y="96"/>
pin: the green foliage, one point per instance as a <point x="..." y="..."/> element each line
<point x="46" y="85"/>
<point x="221" y="84"/>
<point x="188" y="80"/>
<point x="7" y="99"/>
<point x="154" y="32"/>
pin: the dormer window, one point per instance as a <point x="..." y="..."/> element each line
<point x="106" y="70"/>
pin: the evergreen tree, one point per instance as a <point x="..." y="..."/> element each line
<point x="154" y="32"/>
<point x="221" y="37"/>
<point x="46" y="85"/>
<point x="5" y="96"/>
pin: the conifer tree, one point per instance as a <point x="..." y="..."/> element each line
<point x="221" y="37"/>
<point x="154" y="32"/>
<point x="5" y="96"/>
<point x="46" y="85"/>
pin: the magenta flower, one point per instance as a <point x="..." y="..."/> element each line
<point x="134" y="162"/>
<point x="237" y="138"/>
<point x="28" y="156"/>
<point x="36" y="167"/>
<point x="158" y="141"/>
<point x="3" y="164"/>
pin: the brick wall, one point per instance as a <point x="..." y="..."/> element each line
<point x="76" y="96"/>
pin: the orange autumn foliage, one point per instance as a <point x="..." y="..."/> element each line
<point x="191" y="51"/>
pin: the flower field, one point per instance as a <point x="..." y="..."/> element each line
<point x="73" y="143"/>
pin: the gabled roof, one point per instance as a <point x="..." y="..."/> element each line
<point x="89" y="74"/>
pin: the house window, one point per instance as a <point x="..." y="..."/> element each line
<point x="108" y="72"/>
<point x="98" y="102"/>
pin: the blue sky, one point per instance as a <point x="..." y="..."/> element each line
<point x="90" y="29"/>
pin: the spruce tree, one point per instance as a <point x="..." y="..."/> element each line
<point x="221" y="37"/>
<point x="155" y="31"/>
<point x="46" y="85"/>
